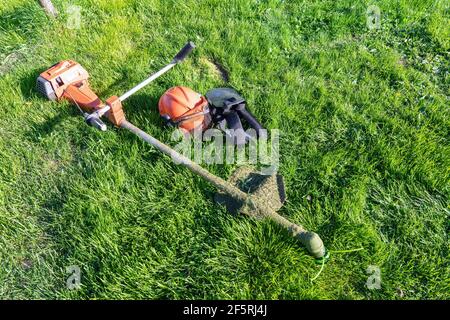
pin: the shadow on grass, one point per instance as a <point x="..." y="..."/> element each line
<point x="143" y="109"/>
<point x="28" y="84"/>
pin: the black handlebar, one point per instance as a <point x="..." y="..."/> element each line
<point x="184" y="52"/>
<point x="95" y="122"/>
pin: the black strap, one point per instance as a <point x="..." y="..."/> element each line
<point x="176" y="122"/>
<point x="234" y="123"/>
<point x="249" y="118"/>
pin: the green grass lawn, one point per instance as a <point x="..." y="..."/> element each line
<point x="364" y="121"/>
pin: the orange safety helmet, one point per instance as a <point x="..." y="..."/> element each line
<point x="185" y="108"/>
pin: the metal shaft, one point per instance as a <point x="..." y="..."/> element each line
<point x="180" y="56"/>
<point x="309" y="239"/>
<point x="147" y="81"/>
<point x="100" y="112"/>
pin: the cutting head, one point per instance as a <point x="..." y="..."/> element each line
<point x="266" y="189"/>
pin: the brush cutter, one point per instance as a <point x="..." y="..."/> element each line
<point x="247" y="191"/>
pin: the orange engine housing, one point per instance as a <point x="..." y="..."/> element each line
<point x="68" y="79"/>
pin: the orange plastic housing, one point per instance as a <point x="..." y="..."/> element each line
<point x="70" y="81"/>
<point x="184" y="107"/>
<point x="115" y="114"/>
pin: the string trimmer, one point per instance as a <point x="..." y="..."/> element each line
<point x="253" y="194"/>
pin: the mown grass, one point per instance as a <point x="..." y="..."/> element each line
<point x="364" y="123"/>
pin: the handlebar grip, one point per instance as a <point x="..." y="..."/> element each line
<point x="184" y="52"/>
<point x="96" y="123"/>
